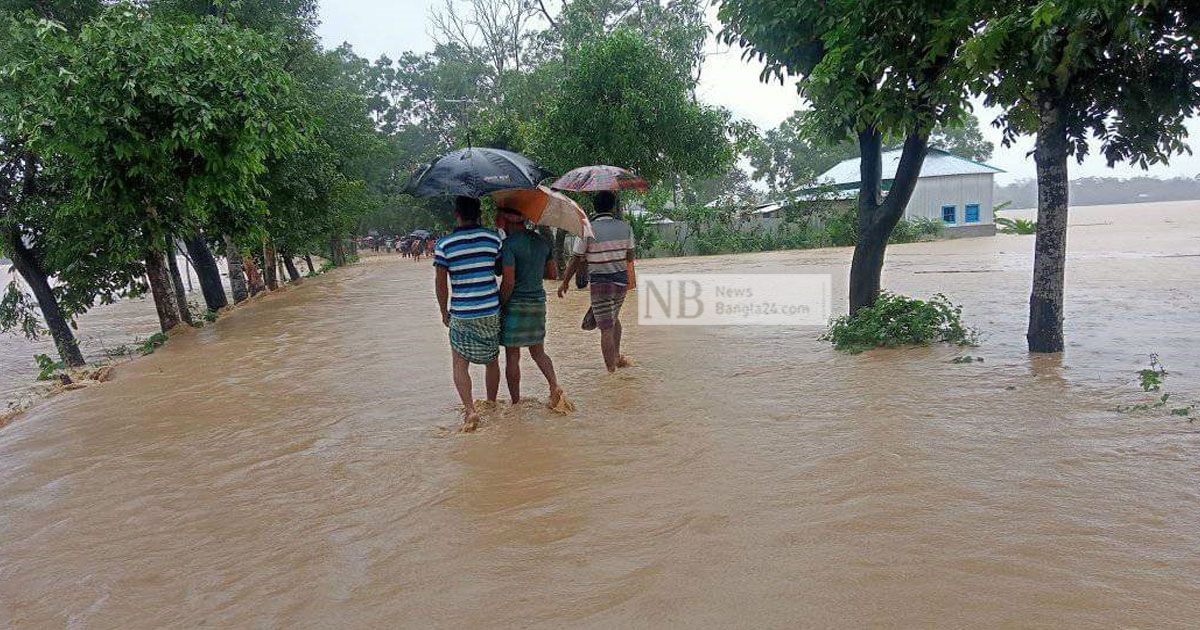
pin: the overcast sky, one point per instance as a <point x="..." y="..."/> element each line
<point x="376" y="27"/>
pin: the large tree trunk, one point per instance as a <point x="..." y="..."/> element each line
<point x="253" y="276"/>
<point x="878" y="216"/>
<point x="158" y="274"/>
<point x="1045" y="332"/>
<point x="185" y="313"/>
<point x="237" y="278"/>
<point x="308" y="262"/>
<point x="290" y="265"/>
<point x="207" y="271"/>
<point x="31" y="270"/>
<point x="269" y="270"/>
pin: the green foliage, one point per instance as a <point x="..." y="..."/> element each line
<point x="1151" y="378"/>
<point x="152" y="343"/>
<point x="47" y="366"/>
<point x="622" y="101"/>
<point x="19" y="314"/>
<point x="896" y="320"/>
<point x="644" y="235"/>
<point x="887" y="64"/>
<point x="1122" y="72"/>
<point x="1016" y="226"/>
<point x="210" y="315"/>
<point x="163" y="121"/>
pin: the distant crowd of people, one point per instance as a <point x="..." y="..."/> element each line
<point x="483" y="314"/>
<point x="415" y="247"/>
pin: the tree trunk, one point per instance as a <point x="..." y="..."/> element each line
<point x="1045" y="332"/>
<point x="268" y="268"/>
<point x="337" y="252"/>
<point x="237" y="278"/>
<point x="158" y="274"/>
<point x="290" y="265"/>
<point x="185" y="313"/>
<point x="877" y="215"/>
<point x="308" y="261"/>
<point x="31" y="270"/>
<point x="207" y="272"/>
<point x="253" y="276"/>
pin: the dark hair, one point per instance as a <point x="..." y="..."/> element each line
<point x="467" y="209"/>
<point x="605" y="201"/>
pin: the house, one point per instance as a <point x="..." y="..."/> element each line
<point x="954" y="189"/>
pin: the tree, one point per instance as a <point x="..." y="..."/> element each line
<point x="30" y="187"/>
<point x="163" y="120"/>
<point x="623" y="102"/>
<point x="1121" y="71"/>
<point x="884" y="69"/>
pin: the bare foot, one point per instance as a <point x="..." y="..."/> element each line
<point x="558" y="402"/>
<point x="624" y="362"/>
<point x="470" y="422"/>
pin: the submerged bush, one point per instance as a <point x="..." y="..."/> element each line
<point x="897" y="320"/>
<point x="1016" y="226"/>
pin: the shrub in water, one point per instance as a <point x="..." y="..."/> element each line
<point x="897" y="320"/>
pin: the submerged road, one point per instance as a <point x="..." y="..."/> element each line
<point x="291" y="465"/>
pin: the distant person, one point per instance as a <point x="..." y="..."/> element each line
<point x="526" y="258"/>
<point x="469" y="300"/>
<point x="606" y="256"/>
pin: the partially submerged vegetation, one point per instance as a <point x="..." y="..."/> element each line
<point x="898" y="320"/>
<point x="1151" y="380"/>
<point x="1006" y="225"/>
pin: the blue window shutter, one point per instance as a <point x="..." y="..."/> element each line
<point x="949" y="214"/>
<point x="971" y="213"/>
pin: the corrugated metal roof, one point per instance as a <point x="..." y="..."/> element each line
<point x="938" y="163"/>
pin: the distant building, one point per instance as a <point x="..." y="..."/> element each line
<point x="953" y="189"/>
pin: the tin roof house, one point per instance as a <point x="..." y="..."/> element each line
<point x="954" y="189"/>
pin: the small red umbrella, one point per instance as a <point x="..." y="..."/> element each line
<point x="599" y="177"/>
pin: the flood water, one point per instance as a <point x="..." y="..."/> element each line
<point x="286" y="467"/>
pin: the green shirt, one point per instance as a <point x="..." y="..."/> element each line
<point x="527" y="252"/>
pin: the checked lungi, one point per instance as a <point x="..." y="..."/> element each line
<point x="476" y="338"/>
<point x="607" y="298"/>
<point x="524" y="323"/>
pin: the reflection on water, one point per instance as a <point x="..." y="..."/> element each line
<point x="285" y="468"/>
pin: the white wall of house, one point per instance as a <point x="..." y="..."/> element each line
<point x="932" y="193"/>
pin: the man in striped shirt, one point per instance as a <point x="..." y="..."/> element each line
<point x="607" y="255"/>
<point x="469" y="299"/>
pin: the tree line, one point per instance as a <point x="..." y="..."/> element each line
<point x="225" y="127"/>
<point x="1122" y="73"/>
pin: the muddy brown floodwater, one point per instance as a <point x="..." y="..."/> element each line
<point x="285" y="467"/>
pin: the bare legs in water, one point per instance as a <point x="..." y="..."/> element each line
<point x="512" y="373"/>
<point x="462" y="383"/>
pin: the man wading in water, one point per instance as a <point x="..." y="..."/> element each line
<point x="525" y="259"/>
<point x="607" y="255"/>
<point x="467" y="295"/>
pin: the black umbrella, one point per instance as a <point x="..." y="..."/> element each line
<point x="476" y="172"/>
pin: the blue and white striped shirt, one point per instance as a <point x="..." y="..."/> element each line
<point x="469" y="254"/>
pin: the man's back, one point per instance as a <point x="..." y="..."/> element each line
<point x="469" y="255"/>
<point x="527" y="252"/>
<point x="607" y="251"/>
